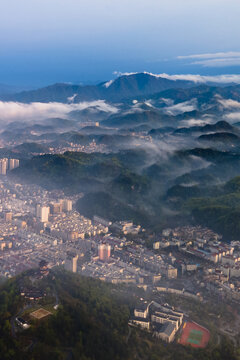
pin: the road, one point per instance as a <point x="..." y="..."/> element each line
<point x="129" y="334"/>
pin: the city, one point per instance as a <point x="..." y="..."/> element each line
<point x="37" y="224"/>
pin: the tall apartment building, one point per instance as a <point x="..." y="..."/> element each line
<point x="42" y="213"/>
<point x="3" y="166"/>
<point x="13" y="163"/>
<point x="8" y="164"/>
<point x="71" y="263"/>
<point x="104" y="252"/>
<point x="66" y="204"/>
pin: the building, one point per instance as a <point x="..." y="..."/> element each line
<point x="156" y="245"/>
<point x="3" y="166"/>
<point x="71" y="263"/>
<point x="166" y="332"/>
<point x="143" y="323"/>
<point x="126" y="227"/>
<point x="66" y="205"/>
<point x="43" y="268"/>
<point x="8" y="164"/>
<point x="104" y="252"/>
<point x="42" y="213"/>
<point x="163" y="320"/>
<point x="13" y="163"/>
<point x="166" y="232"/>
<point x="56" y="208"/>
<point x="8" y="216"/>
<point x="166" y="317"/>
<point x="141" y="311"/>
<point x="21" y="322"/>
<point x="171" y="272"/>
<point x="98" y="220"/>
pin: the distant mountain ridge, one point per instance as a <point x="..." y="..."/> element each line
<point x="124" y="87"/>
<point x="220" y="137"/>
<point x="220" y="126"/>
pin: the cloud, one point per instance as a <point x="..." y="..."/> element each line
<point x="229" y="103"/>
<point x="219" y="59"/>
<point x="182" y="107"/>
<point x="71" y="98"/>
<point x="167" y="101"/>
<point x="14" y="111"/>
<point x="119" y="73"/>
<point x="219" y="62"/>
<point x="222" y="79"/>
<point x="108" y="83"/>
<point x="235" y="116"/>
<point x="233" y="107"/>
<point x="195" y="122"/>
<point x="218" y="55"/>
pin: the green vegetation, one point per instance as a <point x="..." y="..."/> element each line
<point x="217" y="208"/>
<point x="124" y="186"/>
<point x="222" y="212"/>
<point x="91" y="323"/>
<point x="103" y="204"/>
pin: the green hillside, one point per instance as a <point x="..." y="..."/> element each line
<point x="220" y="211"/>
<point x="91" y="323"/>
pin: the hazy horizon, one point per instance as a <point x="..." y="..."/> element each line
<point x="86" y="41"/>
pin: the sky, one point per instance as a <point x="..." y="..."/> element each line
<point x="86" y="41"/>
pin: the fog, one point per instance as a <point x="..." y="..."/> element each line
<point x="16" y="111"/>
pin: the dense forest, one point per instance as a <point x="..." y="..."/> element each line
<point x="217" y="207"/>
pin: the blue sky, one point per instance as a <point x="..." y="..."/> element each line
<point x="47" y="41"/>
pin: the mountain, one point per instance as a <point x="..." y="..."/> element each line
<point x="30" y="148"/>
<point x="220" y="126"/>
<point x="205" y="94"/>
<point x="139" y="84"/>
<point x="220" y="137"/>
<point x="150" y="117"/>
<point x="161" y="131"/>
<point x="56" y="93"/>
<point x="9" y="89"/>
<point x="124" y="87"/>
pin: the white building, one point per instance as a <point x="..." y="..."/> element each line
<point x="3" y="166"/>
<point x="42" y="213"/>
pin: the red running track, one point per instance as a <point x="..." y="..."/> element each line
<point x="186" y="330"/>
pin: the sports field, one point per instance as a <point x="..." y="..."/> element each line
<point x="40" y="313"/>
<point x="194" y="335"/>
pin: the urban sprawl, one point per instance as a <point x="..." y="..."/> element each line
<point x="43" y="227"/>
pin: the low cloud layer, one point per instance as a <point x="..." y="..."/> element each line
<point x="233" y="117"/>
<point x="229" y="103"/>
<point x="15" y="111"/>
<point x="180" y="108"/>
<point x="195" y="122"/>
<point x="233" y="109"/>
